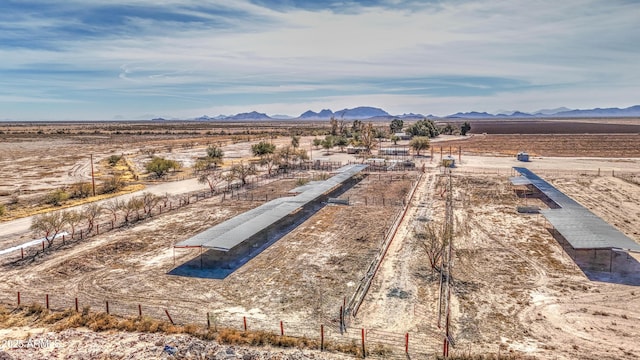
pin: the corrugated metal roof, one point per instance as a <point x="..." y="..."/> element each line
<point x="234" y="231"/>
<point x="579" y="226"/>
<point x="519" y="181"/>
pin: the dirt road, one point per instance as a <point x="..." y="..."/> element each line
<point x="18" y="226"/>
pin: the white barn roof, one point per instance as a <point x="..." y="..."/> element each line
<point x="579" y="226"/>
<point x="227" y="235"/>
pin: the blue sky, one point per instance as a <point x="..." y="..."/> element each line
<point x="102" y="60"/>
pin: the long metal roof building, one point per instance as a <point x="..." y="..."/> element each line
<point x="579" y="226"/>
<point x="225" y="236"/>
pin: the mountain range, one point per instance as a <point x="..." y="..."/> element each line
<point x="632" y="111"/>
<point x="368" y="112"/>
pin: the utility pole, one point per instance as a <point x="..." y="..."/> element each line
<point x="93" y="179"/>
<point x="445" y="289"/>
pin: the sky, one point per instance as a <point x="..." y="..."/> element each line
<point x="139" y="59"/>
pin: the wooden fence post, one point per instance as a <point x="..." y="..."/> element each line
<point x="22" y="253"/>
<point x="107" y="306"/>
<point x="281" y="329"/>
<point x="321" y="337"/>
<point x="244" y="320"/>
<point x="406" y="343"/>
<point x="364" y="353"/>
<point x="169" y="316"/>
<point x="18" y="298"/>
<point x="139" y="310"/>
<point x="47" y="300"/>
<point x="76" y="304"/>
<point x="208" y="321"/>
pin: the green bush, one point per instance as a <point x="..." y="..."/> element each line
<point x="114" y="159"/>
<point x="56" y="197"/>
<point x="160" y="166"/>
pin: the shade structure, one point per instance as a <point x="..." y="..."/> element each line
<point x="580" y="227"/>
<point x="233" y="232"/>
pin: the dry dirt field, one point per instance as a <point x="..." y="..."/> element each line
<point x="515" y="290"/>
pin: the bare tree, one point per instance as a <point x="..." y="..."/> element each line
<point x="165" y="199"/>
<point x="333" y="122"/>
<point x="133" y="205"/>
<point x="73" y="219"/>
<point x="367" y="137"/>
<point x="91" y="212"/>
<point x="434" y="244"/>
<point x="242" y="172"/>
<point x="49" y="225"/>
<point x="149" y="201"/>
<point x="113" y="207"/>
<point x="213" y="178"/>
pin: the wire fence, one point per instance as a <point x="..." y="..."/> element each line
<point x="375" y="343"/>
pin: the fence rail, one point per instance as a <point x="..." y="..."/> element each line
<point x="377" y="343"/>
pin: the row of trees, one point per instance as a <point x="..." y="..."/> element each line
<point x="51" y="224"/>
<point x="428" y="128"/>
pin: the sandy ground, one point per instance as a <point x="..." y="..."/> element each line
<point x="300" y="280"/>
<point x="83" y="344"/>
<point x="515" y="288"/>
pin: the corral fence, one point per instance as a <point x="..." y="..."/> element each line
<point x="162" y="204"/>
<point x="350" y="309"/>
<point x="377" y="343"/>
<point x="625" y="175"/>
<point x="374" y="343"/>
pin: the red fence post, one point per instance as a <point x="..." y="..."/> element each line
<point x="364" y="353"/>
<point x="47" y="300"/>
<point x="107" y="304"/>
<point x="406" y="343"/>
<point x="244" y="320"/>
<point x="321" y="337"/>
<point x="43" y="246"/>
<point x="169" y="316"/>
<point x="18" y="298"/>
<point x="63" y="238"/>
<point x="281" y="329"/>
<point x="76" y="304"/>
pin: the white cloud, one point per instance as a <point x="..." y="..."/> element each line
<point x="571" y="53"/>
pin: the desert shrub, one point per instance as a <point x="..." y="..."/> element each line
<point x="347" y="348"/>
<point x="56" y="316"/>
<point x="3" y="209"/>
<point x="302" y="181"/>
<point x="102" y="322"/>
<point x="35" y="309"/>
<point x="114" y="159"/>
<point x="56" y="197"/>
<point x="160" y="166"/>
<point x="112" y="184"/>
<point x="80" y="190"/>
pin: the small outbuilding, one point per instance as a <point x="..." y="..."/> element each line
<point x="356" y="149"/>
<point x="449" y="161"/>
<point x="522" y="156"/>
